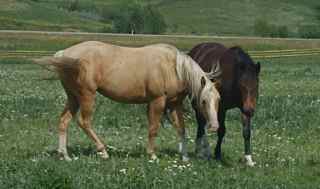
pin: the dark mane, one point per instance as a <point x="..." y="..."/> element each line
<point x="242" y="55"/>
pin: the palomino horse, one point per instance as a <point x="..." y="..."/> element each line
<point x="238" y="88"/>
<point x="158" y="75"/>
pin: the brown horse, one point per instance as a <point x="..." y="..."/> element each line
<point x="238" y="88"/>
<point x="158" y="75"/>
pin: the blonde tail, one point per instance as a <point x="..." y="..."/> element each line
<point x="61" y="65"/>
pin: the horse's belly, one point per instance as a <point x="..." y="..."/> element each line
<point x="125" y="94"/>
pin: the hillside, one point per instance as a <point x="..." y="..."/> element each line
<point x="204" y="17"/>
<point x="45" y="15"/>
<point x="237" y="16"/>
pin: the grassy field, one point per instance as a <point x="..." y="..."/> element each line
<point x="237" y="17"/>
<point x="56" y="41"/>
<point x="285" y="139"/>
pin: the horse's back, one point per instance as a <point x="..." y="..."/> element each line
<point x="207" y="54"/>
<point x="85" y="49"/>
<point x="106" y="50"/>
<point x="166" y="51"/>
<point x="203" y="46"/>
<point x="162" y="46"/>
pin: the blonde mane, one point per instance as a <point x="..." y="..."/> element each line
<point x="189" y="71"/>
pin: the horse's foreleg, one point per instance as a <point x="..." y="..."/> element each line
<point x="69" y="111"/>
<point x="221" y="133"/>
<point x="86" y="110"/>
<point x="177" y="117"/>
<point x="247" y="135"/>
<point x="202" y="145"/>
<point x="155" y="111"/>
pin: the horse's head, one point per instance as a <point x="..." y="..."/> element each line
<point x="209" y="100"/>
<point x="248" y="81"/>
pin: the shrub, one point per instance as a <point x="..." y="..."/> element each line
<point x="309" y="31"/>
<point x="154" y="22"/>
<point x="135" y="18"/>
<point x="264" y="29"/>
<point x="77" y="5"/>
<point x="283" y="31"/>
<point x="69" y="5"/>
<point x="128" y="20"/>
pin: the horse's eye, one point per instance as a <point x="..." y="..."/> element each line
<point x="204" y="102"/>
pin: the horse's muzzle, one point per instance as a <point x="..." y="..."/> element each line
<point x="249" y="112"/>
<point x="213" y="127"/>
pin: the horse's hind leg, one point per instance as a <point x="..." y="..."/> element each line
<point x="86" y="101"/>
<point x="69" y="111"/>
<point x="155" y="111"/>
<point x="177" y="117"/>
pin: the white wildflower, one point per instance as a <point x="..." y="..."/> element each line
<point x="124" y="171"/>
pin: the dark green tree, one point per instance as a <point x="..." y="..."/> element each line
<point x="154" y="21"/>
<point x="136" y="18"/>
<point x="129" y="18"/>
<point x="265" y="29"/>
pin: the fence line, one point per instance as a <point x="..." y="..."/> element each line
<point x="254" y="54"/>
<point x="57" y="33"/>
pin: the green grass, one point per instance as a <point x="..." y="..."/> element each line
<point x="54" y="42"/>
<point x="237" y="17"/>
<point x="285" y="137"/>
<point x="212" y="17"/>
<point x="44" y="15"/>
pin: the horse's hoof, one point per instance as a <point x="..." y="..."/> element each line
<point x="185" y="158"/>
<point x="212" y="129"/>
<point x="199" y="155"/>
<point x="66" y="158"/>
<point x="103" y="154"/>
<point x="218" y="157"/>
<point x="204" y="156"/>
<point x="249" y="162"/>
<point x="153" y="157"/>
<point x="208" y="157"/>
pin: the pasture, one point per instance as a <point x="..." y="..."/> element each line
<point x="285" y="141"/>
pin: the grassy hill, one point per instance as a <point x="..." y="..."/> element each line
<point x="233" y="17"/>
<point x="237" y="16"/>
<point x="45" y="15"/>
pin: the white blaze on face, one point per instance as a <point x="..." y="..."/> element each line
<point x="214" y="112"/>
<point x="209" y="104"/>
<point x="214" y="107"/>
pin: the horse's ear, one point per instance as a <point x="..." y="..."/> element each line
<point x="203" y="81"/>
<point x="258" y="67"/>
<point x="236" y="51"/>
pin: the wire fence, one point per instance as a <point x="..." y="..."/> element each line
<point x="253" y="54"/>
